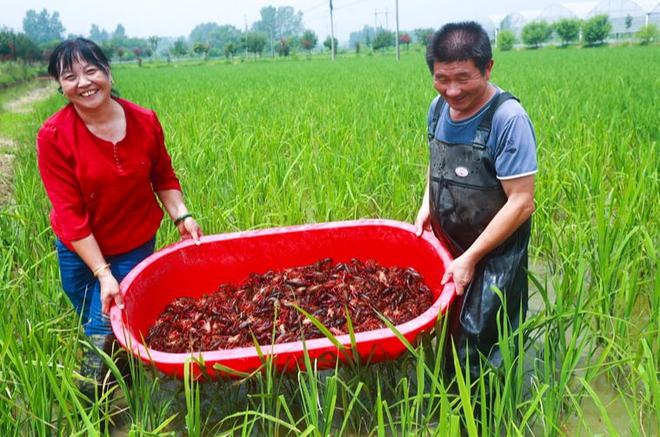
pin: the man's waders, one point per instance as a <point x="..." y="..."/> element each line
<point x="465" y="195"/>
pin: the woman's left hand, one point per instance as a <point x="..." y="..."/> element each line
<point x="188" y="228"/>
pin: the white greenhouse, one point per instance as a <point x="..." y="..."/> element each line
<point x="626" y="16"/>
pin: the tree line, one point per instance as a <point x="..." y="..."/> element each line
<point x="591" y="32"/>
<point x="279" y="31"/>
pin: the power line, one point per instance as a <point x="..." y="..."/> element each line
<point x="347" y="5"/>
<point x="313" y="7"/>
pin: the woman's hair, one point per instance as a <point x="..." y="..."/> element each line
<point x="70" y="51"/>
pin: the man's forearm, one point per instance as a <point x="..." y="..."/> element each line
<point x="502" y="226"/>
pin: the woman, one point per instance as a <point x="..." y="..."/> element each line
<point x="102" y="159"/>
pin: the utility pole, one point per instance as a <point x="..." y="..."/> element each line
<point x="387" y="24"/>
<point x="375" y="20"/>
<point x="246" y="49"/>
<point x="332" y="33"/>
<point x="272" y="48"/>
<point x="398" y="55"/>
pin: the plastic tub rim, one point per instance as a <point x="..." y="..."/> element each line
<point x="129" y="341"/>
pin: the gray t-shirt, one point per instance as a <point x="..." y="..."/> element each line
<point x="512" y="142"/>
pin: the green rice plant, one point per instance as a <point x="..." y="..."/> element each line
<point x="193" y="417"/>
<point x="261" y="144"/>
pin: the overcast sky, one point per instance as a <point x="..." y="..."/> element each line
<point x="143" y="18"/>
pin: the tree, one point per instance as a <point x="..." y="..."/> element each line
<point x="138" y="55"/>
<point x="17" y="46"/>
<point x="283" y="47"/>
<point x="357" y="47"/>
<point x="98" y="35"/>
<point x="309" y="40"/>
<point x="536" y="33"/>
<point x="364" y="36"/>
<point x="200" y="48"/>
<point x="506" y="40"/>
<point x="119" y="35"/>
<point x="294" y="42"/>
<point x="109" y="49"/>
<point x="153" y="43"/>
<point x="279" y="22"/>
<point x="256" y="42"/>
<point x="7" y="51"/>
<point x="423" y="35"/>
<point x="568" y="30"/>
<point x="647" y="34"/>
<point x="180" y="48"/>
<point x="223" y="35"/>
<point x="405" y="38"/>
<point x="202" y="32"/>
<point x="328" y="43"/>
<point x="596" y="29"/>
<point x="230" y="50"/>
<point x="628" y="21"/>
<point x="43" y="27"/>
<point x="289" y="22"/>
<point x="26" y="49"/>
<point x="384" y="38"/>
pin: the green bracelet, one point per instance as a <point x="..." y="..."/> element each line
<point x="181" y="218"/>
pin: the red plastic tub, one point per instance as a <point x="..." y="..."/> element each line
<point x="184" y="269"/>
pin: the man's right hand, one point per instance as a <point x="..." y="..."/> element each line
<point x="423" y="220"/>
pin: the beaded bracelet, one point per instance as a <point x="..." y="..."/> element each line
<point x="100" y="269"/>
<point x="181" y="218"/>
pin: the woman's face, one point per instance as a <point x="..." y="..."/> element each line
<point x="85" y="85"/>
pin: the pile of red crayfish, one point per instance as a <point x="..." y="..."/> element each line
<point x="264" y="307"/>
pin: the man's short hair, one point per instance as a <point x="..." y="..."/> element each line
<point x="462" y="41"/>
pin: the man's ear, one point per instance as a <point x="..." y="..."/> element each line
<point x="489" y="68"/>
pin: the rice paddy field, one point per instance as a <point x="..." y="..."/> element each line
<point x="273" y="143"/>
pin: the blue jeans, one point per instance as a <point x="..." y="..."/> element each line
<point x="82" y="288"/>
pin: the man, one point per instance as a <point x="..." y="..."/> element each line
<point x="479" y="195"/>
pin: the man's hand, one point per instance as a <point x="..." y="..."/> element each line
<point x="423" y="220"/>
<point x="461" y="270"/>
<point x="109" y="291"/>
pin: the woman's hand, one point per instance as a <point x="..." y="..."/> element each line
<point x="188" y="228"/>
<point x="423" y="220"/>
<point x="109" y="291"/>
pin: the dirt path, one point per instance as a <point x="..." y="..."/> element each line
<point x="23" y="104"/>
<point x="8" y="146"/>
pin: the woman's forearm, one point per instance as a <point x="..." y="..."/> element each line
<point x="89" y="251"/>
<point x="172" y="201"/>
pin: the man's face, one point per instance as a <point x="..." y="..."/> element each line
<point x="462" y="85"/>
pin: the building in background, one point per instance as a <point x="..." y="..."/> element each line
<point x="626" y="16"/>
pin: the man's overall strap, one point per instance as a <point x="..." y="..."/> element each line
<point x="483" y="131"/>
<point x="436" y="117"/>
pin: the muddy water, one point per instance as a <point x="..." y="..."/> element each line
<point x="591" y="421"/>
